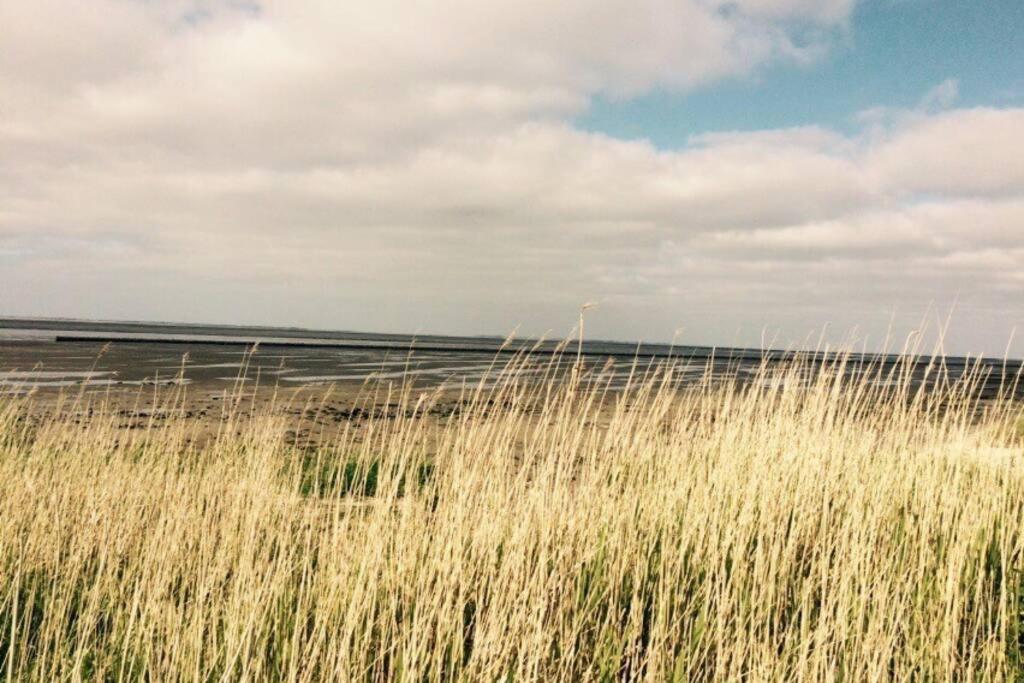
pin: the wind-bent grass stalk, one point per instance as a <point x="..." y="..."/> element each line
<point x="817" y="522"/>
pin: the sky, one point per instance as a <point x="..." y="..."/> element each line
<point x="727" y="173"/>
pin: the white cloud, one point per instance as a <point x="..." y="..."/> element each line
<point x="305" y="82"/>
<point x="959" y="152"/>
<point x="397" y="166"/>
<point x="942" y="96"/>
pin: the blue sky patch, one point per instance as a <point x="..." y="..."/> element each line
<point x="894" y="53"/>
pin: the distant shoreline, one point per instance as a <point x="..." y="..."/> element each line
<point x="70" y="330"/>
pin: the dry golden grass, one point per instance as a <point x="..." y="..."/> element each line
<point x="839" y="529"/>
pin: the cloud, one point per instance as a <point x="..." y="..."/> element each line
<point x="964" y="152"/>
<point x="317" y="81"/>
<point x="942" y="96"/>
<point x="404" y="167"/>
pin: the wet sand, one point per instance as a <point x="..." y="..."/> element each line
<point x="315" y="391"/>
<point x="151" y="383"/>
<point x="212" y="369"/>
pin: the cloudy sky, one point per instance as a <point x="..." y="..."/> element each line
<point x="731" y="170"/>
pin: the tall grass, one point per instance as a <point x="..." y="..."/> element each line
<point x="831" y="525"/>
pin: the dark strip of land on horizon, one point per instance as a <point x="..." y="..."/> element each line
<point x="70" y="330"/>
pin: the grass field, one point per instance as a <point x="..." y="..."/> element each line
<point x="832" y="528"/>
